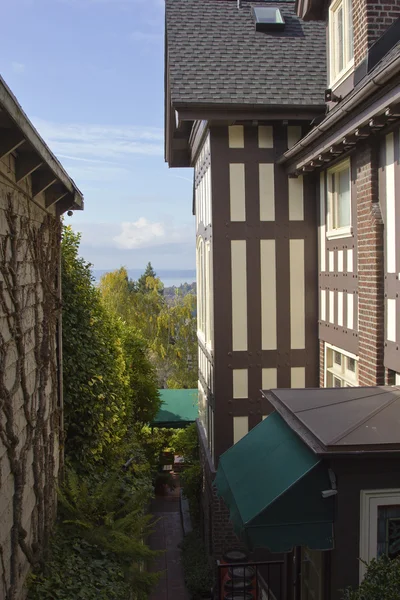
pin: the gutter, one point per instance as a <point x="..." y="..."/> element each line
<point x="344" y="108"/>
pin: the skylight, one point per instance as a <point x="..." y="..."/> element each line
<point x="268" y="18"/>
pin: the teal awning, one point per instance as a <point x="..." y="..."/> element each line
<point x="272" y="483"/>
<point x="178" y="408"/>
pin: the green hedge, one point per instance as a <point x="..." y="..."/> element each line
<point x="197" y="570"/>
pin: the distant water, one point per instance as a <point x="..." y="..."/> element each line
<point x="168" y="277"/>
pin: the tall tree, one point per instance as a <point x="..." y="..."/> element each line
<point x="142" y="284"/>
<point x="109" y="384"/>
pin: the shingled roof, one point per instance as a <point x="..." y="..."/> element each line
<point x="216" y="57"/>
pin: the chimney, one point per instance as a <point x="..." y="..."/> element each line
<point x="371" y="18"/>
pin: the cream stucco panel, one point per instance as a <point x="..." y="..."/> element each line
<point x="297" y="294"/>
<point x="237" y="192"/>
<point x="268" y="294"/>
<point x="267" y="192"/>
<point x="239" y="295"/>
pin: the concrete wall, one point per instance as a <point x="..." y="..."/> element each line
<point x="27" y="469"/>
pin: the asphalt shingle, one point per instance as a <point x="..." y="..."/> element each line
<point x="215" y="56"/>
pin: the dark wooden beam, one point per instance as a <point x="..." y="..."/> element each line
<point x="54" y="194"/>
<point x="362" y="132"/>
<point x="65" y="204"/>
<point x="25" y="165"/>
<point x="10" y="140"/>
<point x="378" y="122"/>
<point x="41" y="180"/>
<point x="393" y="112"/>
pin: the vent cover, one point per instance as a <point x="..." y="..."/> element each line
<point x="268" y="18"/>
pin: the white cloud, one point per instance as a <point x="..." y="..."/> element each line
<point x="18" y="67"/>
<point x="134" y="235"/>
<point x="140" y="233"/>
<point x="88" y="142"/>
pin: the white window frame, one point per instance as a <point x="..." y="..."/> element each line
<point x="370" y="500"/>
<point x="337" y="232"/>
<point x="343" y="373"/>
<point x="336" y="77"/>
<point x="201" y="290"/>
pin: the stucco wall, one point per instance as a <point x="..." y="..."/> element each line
<point x="29" y="398"/>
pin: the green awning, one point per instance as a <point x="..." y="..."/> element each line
<point x="272" y="483"/>
<point x="178" y="408"/>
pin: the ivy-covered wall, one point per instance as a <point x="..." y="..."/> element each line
<point x="30" y="411"/>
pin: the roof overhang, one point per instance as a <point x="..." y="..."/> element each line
<point x="369" y="427"/>
<point x="356" y="117"/>
<point x="33" y="157"/>
<point x="180" y="118"/>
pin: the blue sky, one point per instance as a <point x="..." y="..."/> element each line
<point x="90" y="76"/>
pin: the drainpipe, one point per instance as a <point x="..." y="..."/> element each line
<point x="344" y="108"/>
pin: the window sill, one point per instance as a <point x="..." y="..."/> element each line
<point x="343" y="232"/>
<point x="348" y="70"/>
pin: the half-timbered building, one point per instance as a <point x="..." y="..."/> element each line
<point x="289" y="113"/>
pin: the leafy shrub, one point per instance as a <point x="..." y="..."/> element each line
<point x="191" y="482"/>
<point x="381" y="581"/>
<point x="76" y="570"/>
<point x="197" y="570"/>
<point x="186" y="443"/>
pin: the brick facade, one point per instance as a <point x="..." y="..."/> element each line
<point x="370" y="267"/>
<point x="370" y="21"/>
<point x="218" y="533"/>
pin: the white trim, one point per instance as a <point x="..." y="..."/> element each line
<point x="322" y="224"/>
<point x="337" y="77"/>
<point x="337" y="232"/>
<point x="342" y="372"/>
<point x="369" y="502"/>
<point x="342" y="232"/>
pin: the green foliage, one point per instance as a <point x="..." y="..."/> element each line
<point x="76" y="570"/>
<point x="143" y="398"/>
<point x="107" y="514"/>
<point x="381" y="581"/>
<point x="198" y="574"/>
<point x="93" y="363"/>
<point x="186" y="443"/>
<point x="110" y="386"/>
<point x="154" y="442"/>
<point x="191" y="482"/>
<point x="141" y="284"/>
<point x="168" y="327"/>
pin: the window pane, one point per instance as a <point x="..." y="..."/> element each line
<point x="343" y="199"/>
<point x="337" y="382"/>
<point x="340" y="39"/>
<point x="338" y="358"/>
<point x="351" y="365"/>
<point x="388" y="531"/>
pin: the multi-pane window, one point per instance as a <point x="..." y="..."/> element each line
<point x="341" y="369"/>
<point x="389" y="531"/>
<point x="339" y="199"/>
<point x="341" y="49"/>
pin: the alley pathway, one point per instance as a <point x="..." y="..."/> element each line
<point x="166" y="536"/>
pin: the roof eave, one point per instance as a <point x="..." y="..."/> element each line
<point x="72" y="198"/>
<point x="304" y="152"/>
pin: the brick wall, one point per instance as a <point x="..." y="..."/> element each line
<point x="218" y="534"/>
<point x="29" y="295"/>
<point x="370" y="20"/>
<point x="321" y="363"/>
<point x="370" y="267"/>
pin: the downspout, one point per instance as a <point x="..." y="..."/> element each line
<point x="344" y="108"/>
